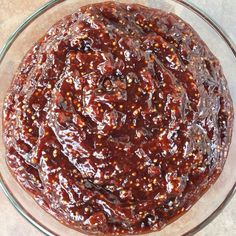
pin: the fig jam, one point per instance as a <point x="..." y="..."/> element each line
<point x="118" y="119"/>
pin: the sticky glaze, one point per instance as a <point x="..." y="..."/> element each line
<point x="118" y="119"/>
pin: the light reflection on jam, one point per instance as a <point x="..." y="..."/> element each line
<point x="118" y="119"/>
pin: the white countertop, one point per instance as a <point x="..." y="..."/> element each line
<point x="13" y="12"/>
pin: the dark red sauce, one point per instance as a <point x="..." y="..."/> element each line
<point x="118" y="119"/>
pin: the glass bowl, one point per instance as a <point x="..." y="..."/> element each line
<point x="35" y="26"/>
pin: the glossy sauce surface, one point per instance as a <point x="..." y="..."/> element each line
<point x="118" y="119"/>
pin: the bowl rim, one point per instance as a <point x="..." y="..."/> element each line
<point x="39" y="12"/>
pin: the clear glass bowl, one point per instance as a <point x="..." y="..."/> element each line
<point x="35" y="26"/>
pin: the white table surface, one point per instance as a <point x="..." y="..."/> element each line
<point x="13" y="12"/>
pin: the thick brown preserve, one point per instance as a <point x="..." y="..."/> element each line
<point x="118" y="119"/>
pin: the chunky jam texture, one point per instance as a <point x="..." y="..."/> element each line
<point x="118" y="119"/>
